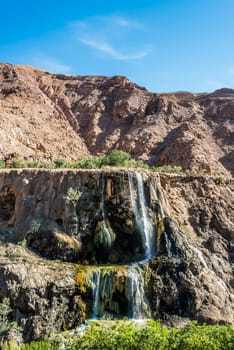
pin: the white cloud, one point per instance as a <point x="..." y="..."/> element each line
<point x="113" y="35"/>
<point x="124" y="22"/>
<point x="231" y="71"/>
<point x="111" y="51"/>
<point x="50" y="64"/>
<point x="78" y="24"/>
<point x="108" y="21"/>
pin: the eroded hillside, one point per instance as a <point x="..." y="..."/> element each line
<point x="46" y="116"/>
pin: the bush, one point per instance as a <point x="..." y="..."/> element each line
<point x="92" y="163"/>
<point x="151" y="336"/>
<point x="128" y="335"/>
<point x="60" y="163"/>
<point x="18" y="163"/>
<point x="169" y="169"/>
<point x="194" y="337"/>
<point x="35" y="345"/>
<point x="39" y="345"/>
<point x="73" y="196"/>
<point x="5" y="311"/>
<point x="34" y="164"/>
<point x="2" y="164"/>
<point x="117" y="158"/>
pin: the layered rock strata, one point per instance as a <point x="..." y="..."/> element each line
<point x="63" y="218"/>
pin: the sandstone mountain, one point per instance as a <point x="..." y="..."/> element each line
<point x="46" y="116"/>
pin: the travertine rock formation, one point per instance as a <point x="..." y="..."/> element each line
<point x="47" y="116"/>
<point x="191" y="275"/>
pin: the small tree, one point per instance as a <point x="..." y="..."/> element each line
<point x="73" y="196"/>
<point x="60" y="163"/>
<point x="117" y="158"/>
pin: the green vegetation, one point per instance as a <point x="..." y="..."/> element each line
<point x="169" y="169"/>
<point x="39" y="345"/>
<point x="2" y="164"/>
<point x="19" y="163"/>
<point x="128" y="335"/>
<point x="114" y="158"/>
<point x="220" y="180"/>
<point x="73" y="196"/>
<point x="153" y="336"/>
<point x="117" y="158"/>
<point x="5" y="311"/>
<point x="35" y="225"/>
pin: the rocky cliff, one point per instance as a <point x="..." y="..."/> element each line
<point x="58" y="226"/>
<point x="47" y="116"/>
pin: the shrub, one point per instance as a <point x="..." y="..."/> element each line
<point x="39" y="345"/>
<point x="117" y="158"/>
<point x="35" y="164"/>
<point x="220" y="180"/>
<point x="35" y="225"/>
<point x="151" y="336"/>
<point x="18" y="163"/>
<point x="10" y="345"/>
<point x="169" y="169"/>
<point x="128" y="335"/>
<point x="2" y="164"/>
<point x="73" y="196"/>
<point x="60" y="163"/>
<point x="5" y="311"/>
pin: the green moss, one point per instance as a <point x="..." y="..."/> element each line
<point x="101" y="236"/>
<point x="83" y="278"/>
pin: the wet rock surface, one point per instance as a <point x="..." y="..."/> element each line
<point x="190" y="276"/>
<point x="191" y="281"/>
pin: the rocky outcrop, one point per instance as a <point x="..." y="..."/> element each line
<point x="43" y="295"/>
<point x="90" y="217"/>
<point x="188" y="279"/>
<point x="46" y="116"/>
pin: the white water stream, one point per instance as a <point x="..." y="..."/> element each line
<point x="95" y="287"/>
<point x="140" y="213"/>
<point x="103" y="283"/>
<point x="106" y="230"/>
<point x="138" y="305"/>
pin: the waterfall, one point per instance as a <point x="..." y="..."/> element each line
<point x="138" y="305"/>
<point x="119" y="290"/>
<point x="107" y="284"/>
<point x="95" y="287"/>
<point x="141" y="217"/>
<point x="106" y="230"/>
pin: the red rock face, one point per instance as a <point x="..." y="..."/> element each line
<point x="47" y="116"/>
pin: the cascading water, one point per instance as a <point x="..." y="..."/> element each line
<point x="141" y="217"/>
<point x="108" y="239"/>
<point x="95" y="287"/>
<point x="109" y="292"/>
<point x="138" y="304"/>
<point x="120" y="290"/>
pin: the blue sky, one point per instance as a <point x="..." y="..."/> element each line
<point x="164" y="45"/>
